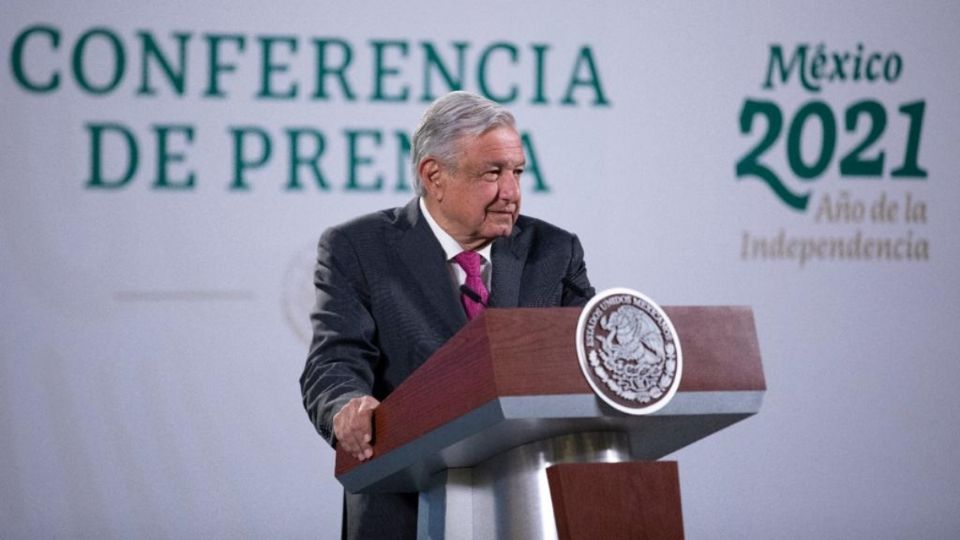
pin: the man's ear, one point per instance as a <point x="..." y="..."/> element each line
<point x="431" y="178"/>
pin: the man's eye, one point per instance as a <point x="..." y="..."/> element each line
<point x="517" y="172"/>
<point x="492" y="175"/>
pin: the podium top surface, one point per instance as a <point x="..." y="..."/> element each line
<point x="512" y="376"/>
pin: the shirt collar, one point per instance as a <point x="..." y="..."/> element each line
<point x="451" y="247"/>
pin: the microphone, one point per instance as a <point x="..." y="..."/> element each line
<point x="472" y="294"/>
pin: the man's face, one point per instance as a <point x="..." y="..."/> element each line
<point x="478" y="199"/>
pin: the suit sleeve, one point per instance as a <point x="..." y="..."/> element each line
<point x="576" y="285"/>
<point x="343" y="352"/>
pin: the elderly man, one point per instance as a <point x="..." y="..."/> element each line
<point x="393" y="286"/>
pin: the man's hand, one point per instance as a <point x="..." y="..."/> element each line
<point x="353" y="426"/>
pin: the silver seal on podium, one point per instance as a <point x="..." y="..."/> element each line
<point x="629" y="351"/>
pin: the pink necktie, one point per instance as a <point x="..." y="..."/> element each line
<point x="470" y="261"/>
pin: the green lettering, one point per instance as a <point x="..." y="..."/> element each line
<point x="240" y="161"/>
<point x="217" y="67"/>
<point x="177" y="77"/>
<point x="533" y="164"/>
<point x="164" y="156"/>
<point x="16" y="58"/>
<point x="433" y="60"/>
<point x="592" y="79"/>
<point x="512" y="52"/>
<point x="403" y="160"/>
<point x="381" y="71"/>
<point x="539" y="55"/>
<point x="777" y="62"/>
<point x="339" y="71"/>
<point x="355" y="160"/>
<point x="97" y="179"/>
<point x="119" y="61"/>
<point x="269" y="67"/>
<point x="312" y="161"/>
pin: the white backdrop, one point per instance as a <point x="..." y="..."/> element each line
<point x="152" y="336"/>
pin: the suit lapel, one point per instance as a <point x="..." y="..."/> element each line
<point x="508" y="255"/>
<point x="425" y="259"/>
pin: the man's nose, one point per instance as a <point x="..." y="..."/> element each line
<point x="509" y="186"/>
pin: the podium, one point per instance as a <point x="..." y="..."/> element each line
<point x="503" y="437"/>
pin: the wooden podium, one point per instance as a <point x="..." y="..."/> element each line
<point x="503" y="437"/>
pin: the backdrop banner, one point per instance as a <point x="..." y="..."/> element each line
<point x="167" y="169"/>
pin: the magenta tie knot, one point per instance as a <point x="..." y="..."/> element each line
<point x="471" y="262"/>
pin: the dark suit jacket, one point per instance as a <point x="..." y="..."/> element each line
<point x="386" y="302"/>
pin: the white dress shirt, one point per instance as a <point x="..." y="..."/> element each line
<point x="452" y="248"/>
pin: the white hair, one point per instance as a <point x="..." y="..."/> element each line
<point x="447" y="120"/>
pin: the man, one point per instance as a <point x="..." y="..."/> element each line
<point x="393" y="286"/>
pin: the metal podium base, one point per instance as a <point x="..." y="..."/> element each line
<point x="508" y="495"/>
